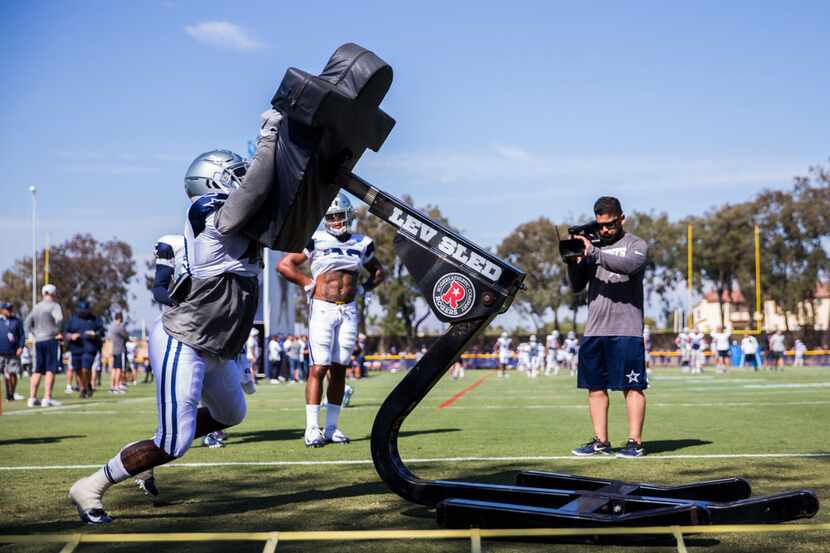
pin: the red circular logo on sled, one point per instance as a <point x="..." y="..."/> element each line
<point x="453" y="295"/>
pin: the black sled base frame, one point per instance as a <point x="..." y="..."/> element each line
<point x="467" y="286"/>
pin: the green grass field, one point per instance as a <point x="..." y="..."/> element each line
<point x="689" y="418"/>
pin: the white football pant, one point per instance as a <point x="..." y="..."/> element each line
<point x="184" y="377"/>
<point x="332" y="332"/>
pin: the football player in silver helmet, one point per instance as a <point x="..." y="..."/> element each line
<point x="193" y="348"/>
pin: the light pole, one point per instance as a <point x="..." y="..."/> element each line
<point x="33" y="190"/>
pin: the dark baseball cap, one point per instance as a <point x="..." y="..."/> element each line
<point x="6" y="305"/>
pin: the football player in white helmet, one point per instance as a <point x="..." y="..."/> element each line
<point x="503" y="349"/>
<point x="551" y="348"/>
<point x="336" y="255"/>
<point x="193" y="348"/>
<point x="571" y="352"/>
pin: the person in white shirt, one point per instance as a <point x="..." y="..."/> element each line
<point x="274" y="359"/>
<point x="534" y="355"/>
<point x="697" y="355"/>
<point x="572" y="352"/>
<point x="551" y="348"/>
<point x="720" y="342"/>
<point x="503" y="348"/>
<point x="684" y="346"/>
<point x="800" y="350"/>
<point x="777" y="348"/>
<point x="749" y="348"/>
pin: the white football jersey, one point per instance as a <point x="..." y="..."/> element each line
<point x="552" y="341"/>
<point x="169" y="251"/>
<point x="209" y="253"/>
<point x="571" y="344"/>
<point x="534" y="350"/>
<point x="329" y="253"/>
<point x="504" y="344"/>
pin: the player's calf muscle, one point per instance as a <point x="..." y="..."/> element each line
<point x="144" y="455"/>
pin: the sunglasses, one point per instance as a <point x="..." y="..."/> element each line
<point x="609" y="224"/>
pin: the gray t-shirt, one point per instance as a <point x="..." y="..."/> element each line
<point x="44" y="322"/>
<point x="614" y="275"/>
<point x="119" y="337"/>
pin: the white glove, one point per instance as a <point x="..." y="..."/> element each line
<point x="269" y="123"/>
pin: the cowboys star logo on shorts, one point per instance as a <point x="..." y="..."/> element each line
<point x="453" y="295"/>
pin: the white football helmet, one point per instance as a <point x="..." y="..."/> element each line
<point x="571" y="334"/>
<point x="339" y="216"/>
<point x="214" y="171"/>
<point x="533" y="338"/>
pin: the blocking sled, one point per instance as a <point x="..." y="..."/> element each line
<point x="465" y="286"/>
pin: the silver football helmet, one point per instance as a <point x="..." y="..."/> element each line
<point x="339" y="216"/>
<point x="214" y="171"/>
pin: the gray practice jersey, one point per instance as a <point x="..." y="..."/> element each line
<point x="614" y="275"/>
<point x="215" y="304"/>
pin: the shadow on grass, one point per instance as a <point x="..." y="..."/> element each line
<point x="663" y="446"/>
<point x="410" y="433"/>
<point x="39" y="440"/>
<point x="279" y="435"/>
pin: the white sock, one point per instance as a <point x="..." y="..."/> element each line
<point x="312" y="415"/>
<point x="332" y="415"/>
<point x="114" y="470"/>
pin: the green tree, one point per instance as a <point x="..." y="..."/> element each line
<point x="81" y="267"/>
<point x="794" y="225"/>
<point x="666" y="266"/>
<point x="534" y="247"/>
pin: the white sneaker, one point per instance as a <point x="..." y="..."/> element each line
<point x="88" y="502"/>
<point x="18" y="397"/>
<point x="333" y="435"/>
<point x="314" y="437"/>
<point x="274" y="381"/>
<point x="51" y="403"/>
<point x="68" y="389"/>
<point x="33" y="402"/>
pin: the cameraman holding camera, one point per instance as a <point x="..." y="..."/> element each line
<point x="611" y="263"/>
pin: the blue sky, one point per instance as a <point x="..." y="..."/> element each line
<point x="505" y="111"/>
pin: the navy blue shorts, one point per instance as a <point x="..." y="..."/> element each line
<point x="82" y="360"/>
<point x="612" y="362"/>
<point x="120" y="361"/>
<point x="46" y="356"/>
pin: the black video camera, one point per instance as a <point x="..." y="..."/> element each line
<point x="572" y="248"/>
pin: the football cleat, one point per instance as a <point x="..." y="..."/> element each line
<point x="314" y="437"/>
<point x="334" y="435"/>
<point x="51" y="403"/>
<point x="33" y="402"/>
<point x="146" y="482"/>
<point x="88" y="502"/>
<point x="212" y="441"/>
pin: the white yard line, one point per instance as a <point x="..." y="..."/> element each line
<point x="441" y="460"/>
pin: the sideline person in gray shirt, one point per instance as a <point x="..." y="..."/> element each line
<point x="612" y="352"/>
<point x="44" y="326"/>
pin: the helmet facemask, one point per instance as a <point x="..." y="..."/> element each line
<point x="338" y="219"/>
<point x="217" y="171"/>
<point x="339" y="222"/>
